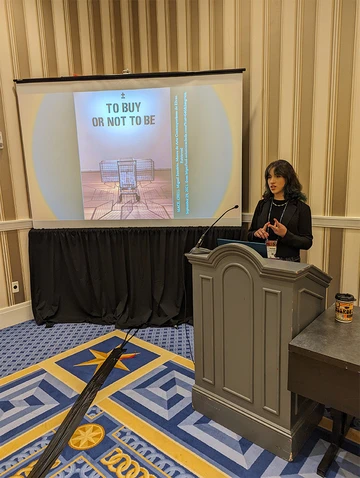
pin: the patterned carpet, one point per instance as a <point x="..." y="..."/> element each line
<point x="141" y="425"/>
<point x="30" y="344"/>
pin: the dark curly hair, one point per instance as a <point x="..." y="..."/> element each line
<point x="292" y="189"/>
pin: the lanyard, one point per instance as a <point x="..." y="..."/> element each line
<point x="282" y="215"/>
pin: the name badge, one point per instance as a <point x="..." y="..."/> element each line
<point x="271" y="249"/>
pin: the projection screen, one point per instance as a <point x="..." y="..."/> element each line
<point x="133" y="150"/>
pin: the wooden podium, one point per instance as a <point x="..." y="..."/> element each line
<point x="246" y="311"/>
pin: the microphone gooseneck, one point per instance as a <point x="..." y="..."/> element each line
<point x="201" y="250"/>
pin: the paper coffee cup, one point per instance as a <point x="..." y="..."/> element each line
<point x="344" y="307"/>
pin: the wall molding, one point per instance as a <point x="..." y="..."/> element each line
<point x="15" y="314"/>
<point x="337" y="222"/>
<point x="16" y="225"/>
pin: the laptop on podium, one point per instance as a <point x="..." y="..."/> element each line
<point x="257" y="246"/>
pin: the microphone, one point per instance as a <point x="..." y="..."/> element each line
<point x="202" y="250"/>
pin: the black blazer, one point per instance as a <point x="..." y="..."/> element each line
<point x="297" y="219"/>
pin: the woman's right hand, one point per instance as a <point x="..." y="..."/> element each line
<point x="262" y="232"/>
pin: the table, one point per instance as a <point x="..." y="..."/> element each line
<point x="324" y="365"/>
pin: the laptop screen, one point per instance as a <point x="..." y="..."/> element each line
<point x="259" y="247"/>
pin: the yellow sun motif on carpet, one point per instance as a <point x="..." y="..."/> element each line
<point x="100" y="358"/>
<point x="87" y="436"/>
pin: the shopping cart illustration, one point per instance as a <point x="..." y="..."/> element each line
<point x="109" y="170"/>
<point x="127" y="178"/>
<point x="144" y="169"/>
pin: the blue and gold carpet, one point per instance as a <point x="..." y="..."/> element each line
<point x="141" y="424"/>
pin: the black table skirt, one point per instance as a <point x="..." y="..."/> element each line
<point x="129" y="277"/>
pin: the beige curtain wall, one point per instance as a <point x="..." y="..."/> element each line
<point x="301" y="98"/>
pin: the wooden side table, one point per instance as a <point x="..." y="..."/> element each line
<point x="324" y="365"/>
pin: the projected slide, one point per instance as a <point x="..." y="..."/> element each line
<point x="125" y="153"/>
<point x="164" y="149"/>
